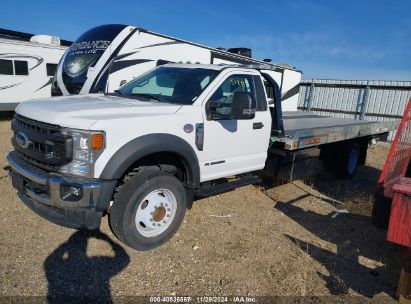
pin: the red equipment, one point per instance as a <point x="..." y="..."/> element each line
<point x="399" y="228"/>
<point x="393" y="200"/>
<point x="399" y="156"/>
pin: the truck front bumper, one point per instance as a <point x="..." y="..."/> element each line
<point x="64" y="200"/>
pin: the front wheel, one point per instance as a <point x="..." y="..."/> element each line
<point x="148" y="209"/>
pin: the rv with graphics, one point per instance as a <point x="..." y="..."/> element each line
<point x="108" y="56"/>
<point x="27" y="66"/>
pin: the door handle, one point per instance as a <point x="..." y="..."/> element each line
<point x="258" y="125"/>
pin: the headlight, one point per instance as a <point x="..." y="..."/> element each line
<point x="87" y="147"/>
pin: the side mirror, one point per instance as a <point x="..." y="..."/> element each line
<point x="211" y="110"/>
<point x="123" y="82"/>
<point x="244" y="106"/>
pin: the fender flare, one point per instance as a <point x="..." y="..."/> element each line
<point x="145" y="145"/>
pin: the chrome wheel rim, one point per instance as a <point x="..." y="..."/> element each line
<point x="156" y="212"/>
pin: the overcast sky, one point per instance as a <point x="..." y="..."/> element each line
<point x="325" y="39"/>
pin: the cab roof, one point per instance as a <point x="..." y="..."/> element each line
<point x="217" y="67"/>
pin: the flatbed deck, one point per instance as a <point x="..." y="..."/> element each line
<point x="306" y="129"/>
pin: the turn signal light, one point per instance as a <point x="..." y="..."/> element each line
<point x="97" y="141"/>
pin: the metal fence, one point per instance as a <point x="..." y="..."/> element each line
<point x="356" y="99"/>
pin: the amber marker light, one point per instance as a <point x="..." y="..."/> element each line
<point x="97" y="141"/>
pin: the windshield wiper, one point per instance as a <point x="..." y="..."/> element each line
<point x="148" y="96"/>
<point x="118" y="92"/>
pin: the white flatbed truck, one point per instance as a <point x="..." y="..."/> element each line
<point x="144" y="152"/>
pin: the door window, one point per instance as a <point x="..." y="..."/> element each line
<point x="225" y="92"/>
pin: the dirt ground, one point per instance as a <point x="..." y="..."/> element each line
<point x="285" y="241"/>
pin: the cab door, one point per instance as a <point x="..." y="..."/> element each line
<point x="230" y="145"/>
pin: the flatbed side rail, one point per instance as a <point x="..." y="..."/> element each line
<point x="318" y="136"/>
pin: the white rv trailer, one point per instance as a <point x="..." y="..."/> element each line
<point x="27" y="66"/>
<point x="108" y="56"/>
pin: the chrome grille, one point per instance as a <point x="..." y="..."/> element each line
<point x="37" y="126"/>
<point x="35" y="162"/>
<point x="45" y="147"/>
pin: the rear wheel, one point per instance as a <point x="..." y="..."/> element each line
<point x="148" y="209"/>
<point x="348" y="160"/>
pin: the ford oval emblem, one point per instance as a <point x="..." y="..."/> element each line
<point x="188" y="128"/>
<point x="22" y="140"/>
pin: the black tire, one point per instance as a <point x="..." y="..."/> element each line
<point x="128" y="199"/>
<point x="348" y="160"/>
<point x="328" y="158"/>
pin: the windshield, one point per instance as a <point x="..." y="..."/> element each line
<point x="170" y="84"/>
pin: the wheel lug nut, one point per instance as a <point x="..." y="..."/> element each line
<point x="166" y="205"/>
<point x="164" y="222"/>
<point x="168" y="215"/>
<point x="154" y="224"/>
<point x="168" y="209"/>
<point x="151" y="220"/>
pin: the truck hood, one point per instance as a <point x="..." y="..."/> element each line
<point x="82" y="111"/>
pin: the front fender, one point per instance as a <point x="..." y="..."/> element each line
<point x="145" y="145"/>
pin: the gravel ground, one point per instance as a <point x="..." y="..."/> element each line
<point x="283" y="241"/>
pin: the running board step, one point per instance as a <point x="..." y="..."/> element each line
<point x="228" y="186"/>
